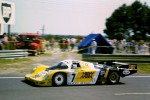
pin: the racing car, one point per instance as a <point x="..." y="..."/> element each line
<point x="75" y="72"/>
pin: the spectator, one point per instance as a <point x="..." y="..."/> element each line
<point x="72" y="43"/>
<point x="143" y="47"/>
<point x="14" y="38"/>
<point x="61" y="44"/>
<point x="52" y="42"/>
<point x="122" y="46"/>
<point x="47" y="45"/>
<point x="66" y="44"/>
<point x="1" y="44"/>
<point x="5" y="41"/>
<point x="93" y="46"/>
<point x="134" y="47"/>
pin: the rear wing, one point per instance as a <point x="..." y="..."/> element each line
<point x="125" y="65"/>
<point x="120" y="65"/>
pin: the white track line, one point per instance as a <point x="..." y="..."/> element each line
<point x="10" y="77"/>
<point x="138" y="76"/>
<point x="132" y="94"/>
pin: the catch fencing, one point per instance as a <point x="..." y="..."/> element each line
<point x="127" y="54"/>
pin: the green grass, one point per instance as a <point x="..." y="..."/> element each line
<point x="24" y="62"/>
<point x="11" y="61"/>
<point x="20" y="62"/>
<point x="143" y="68"/>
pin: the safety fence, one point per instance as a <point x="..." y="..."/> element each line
<point x="117" y="49"/>
<point x="101" y="49"/>
<point x="12" y="54"/>
<point x="116" y="57"/>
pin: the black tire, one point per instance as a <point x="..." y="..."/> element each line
<point x="59" y="79"/>
<point x="113" y="77"/>
<point x="35" y="53"/>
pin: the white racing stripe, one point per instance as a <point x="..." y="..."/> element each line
<point x="132" y="94"/>
<point x="10" y="77"/>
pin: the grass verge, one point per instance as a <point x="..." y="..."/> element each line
<point x="25" y="63"/>
<point x="11" y="61"/>
<point x="143" y="68"/>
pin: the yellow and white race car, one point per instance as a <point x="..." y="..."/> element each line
<point x="74" y="72"/>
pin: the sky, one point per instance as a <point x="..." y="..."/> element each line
<point x="66" y="17"/>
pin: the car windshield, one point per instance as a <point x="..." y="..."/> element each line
<point x="58" y="66"/>
<point x="25" y="38"/>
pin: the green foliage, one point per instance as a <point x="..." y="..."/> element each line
<point x="125" y="20"/>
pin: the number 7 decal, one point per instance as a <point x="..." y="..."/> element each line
<point x="73" y="74"/>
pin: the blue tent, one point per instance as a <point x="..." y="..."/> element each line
<point x="104" y="46"/>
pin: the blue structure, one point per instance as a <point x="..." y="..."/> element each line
<point x="104" y="47"/>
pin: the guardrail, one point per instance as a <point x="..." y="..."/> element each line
<point x="134" y="58"/>
<point x="12" y="54"/>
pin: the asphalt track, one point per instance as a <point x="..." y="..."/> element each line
<point x="130" y="88"/>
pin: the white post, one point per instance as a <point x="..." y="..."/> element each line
<point x="1" y="29"/>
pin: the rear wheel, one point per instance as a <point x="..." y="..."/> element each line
<point x="59" y="79"/>
<point x="35" y="53"/>
<point x="113" y="77"/>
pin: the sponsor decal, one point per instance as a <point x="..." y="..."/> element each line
<point x="75" y="78"/>
<point x="102" y="72"/>
<point x="78" y="83"/>
<point x="133" y="66"/>
<point x="126" y="72"/>
<point x="87" y="75"/>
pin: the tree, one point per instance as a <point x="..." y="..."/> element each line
<point x="125" y="20"/>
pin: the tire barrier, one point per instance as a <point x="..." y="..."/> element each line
<point x="12" y="54"/>
<point x="130" y="58"/>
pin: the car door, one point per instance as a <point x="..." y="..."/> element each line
<point x="82" y="75"/>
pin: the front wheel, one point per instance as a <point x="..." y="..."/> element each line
<point x="59" y="79"/>
<point x="113" y="77"/>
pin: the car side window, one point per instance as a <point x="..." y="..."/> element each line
<point x="59" y="66"/>
<point x="75" y="65"/>
<point x="63" y="66"/>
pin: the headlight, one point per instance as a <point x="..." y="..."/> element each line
<point x="36" y="66"/>
<point x="44" y="73"/>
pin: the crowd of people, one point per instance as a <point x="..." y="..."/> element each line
<point x="122" y="46"/>
<point x="64" y="44"/>
<point x="131" y="47"/>
<point x="5" y="39"/>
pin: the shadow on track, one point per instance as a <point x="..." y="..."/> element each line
<point x="33" y="85"/>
